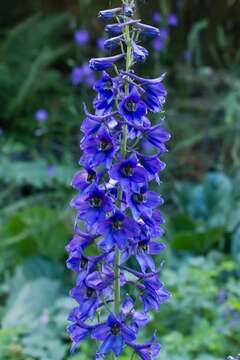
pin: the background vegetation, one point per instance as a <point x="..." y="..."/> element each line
<point x="38" y="57"/>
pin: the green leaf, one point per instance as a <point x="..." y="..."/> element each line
<point x="30" y="301"/>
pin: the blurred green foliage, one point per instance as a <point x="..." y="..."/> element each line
<point x="201" y="184"/>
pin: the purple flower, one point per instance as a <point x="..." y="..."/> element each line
<point x="147" y="29"/>
<point x="147" y="351"/>
<point x="132" y="108"/>
<point x="41" y="115"/>
<point x="109" y="13"/>
<point x="104" y="63"/>
<point x="114" y="333"/>
<point x="173" y="20"/>
<point x="100" y="43"/>
<point x="129" y="174"/>
<point x="106" y="93"/>
<point x="143" y="202"/>
<point x="112" y="43"/>
<point x="139" y="53"/>
<point x="81" y="37"/>
<point x="115" y="207"/>
<point x="157" y="17"/>
<point x="117" y="230"/>
<point x="92" y="206"/>
<point x="117" y="28"/>
<point x="158" y="44"/>
<point x="157" y="136"/>
<point x="98" y="150"/>
<point x="77" y="75"/>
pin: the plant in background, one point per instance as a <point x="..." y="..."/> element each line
<point x="117" y="280"/>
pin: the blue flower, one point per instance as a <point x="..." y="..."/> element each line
<point x="117" y="28"/>
<point x="129" y="174"/>
<point x="157" y="136"/>
<point x="106" y="93"/>
<point x="92" y="206"/>
<point x="173" y="20"/>
<point x="139" y="53"/>
<point x="99" y="64"/>
<point x="147" y="29"/>
<point x="132" y="108"/>
<point x="143" y="202"/>
<point x="109" y="13"/>
<point x="147" y="351"/>
<point x="81" y="37"/>
<point x="114" y="333"/>
<point x="98" y="150"/>
<point x="41" y="115"/>
<point x="117" y="230"/>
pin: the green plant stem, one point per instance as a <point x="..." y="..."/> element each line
<point x="117" y="293"/>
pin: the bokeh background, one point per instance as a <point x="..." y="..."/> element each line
<point x="44" y="79"/>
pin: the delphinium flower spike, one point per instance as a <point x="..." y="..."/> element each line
<point x="115" y="256"/>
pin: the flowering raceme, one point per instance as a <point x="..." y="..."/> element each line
<point x="115" y="257"/>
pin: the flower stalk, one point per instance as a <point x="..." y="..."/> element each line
<point x="119" y="212"/>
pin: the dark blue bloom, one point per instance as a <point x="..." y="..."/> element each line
<point x="147" y="29"/>
<point x="139" y="53"/>
<point x="152" y="164"/>
<point x="129" y="174"/>
<point x="143" y="202"/>
<point x="132" y="108"/>
<point x="157" y="136"/>
<point x="98" y="150"/>
<point x="119" y="214"/>
<point x="118" y="27"/>
<point x="113" y="42"/>
<point x="84" y="178"/>
<point x="117" y="230"/>
<point x="109" y="13"/>
<point x="106" y="93"/>
<point x="143" y="252"/>
<point x="114" y="333"/>
<point x="147" y="351"/>
<point x="92" y="206"/>
<point x="80" y="240"/>
<point x="99" y="64"/>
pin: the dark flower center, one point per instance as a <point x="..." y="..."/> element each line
<point x="91" y="176"/>
<point x="104" y="145"/>
<point x="143" y="246"/>
<point x="127" y="170"/>
<point x="139" y="198"/>
<point x="130" y="106"/>
<point x="115" y="329"/>
<point x="117" y="225"/>
<point x="90" y="292"/>
<point x="83" y="263"/>
<point x="95" y="201"/>
<point x="107" y="85"/>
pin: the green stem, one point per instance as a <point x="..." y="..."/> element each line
<point x="117" y="293"/>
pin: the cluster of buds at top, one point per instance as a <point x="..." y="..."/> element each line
<point x="115" y="257"/>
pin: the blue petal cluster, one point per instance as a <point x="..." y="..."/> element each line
<point x="115" y="256"/>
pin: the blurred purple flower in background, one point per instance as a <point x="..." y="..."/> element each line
<point x="41" y="115"/>
<point x="187" y="55"/>
<point x="81" y="37"/>
<point x="82" y="74"/>
<point x="173" y="19"/>
<point x="157" y="17"/>
<point x="159" y="42"/>
<point x="100" y="44"/>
